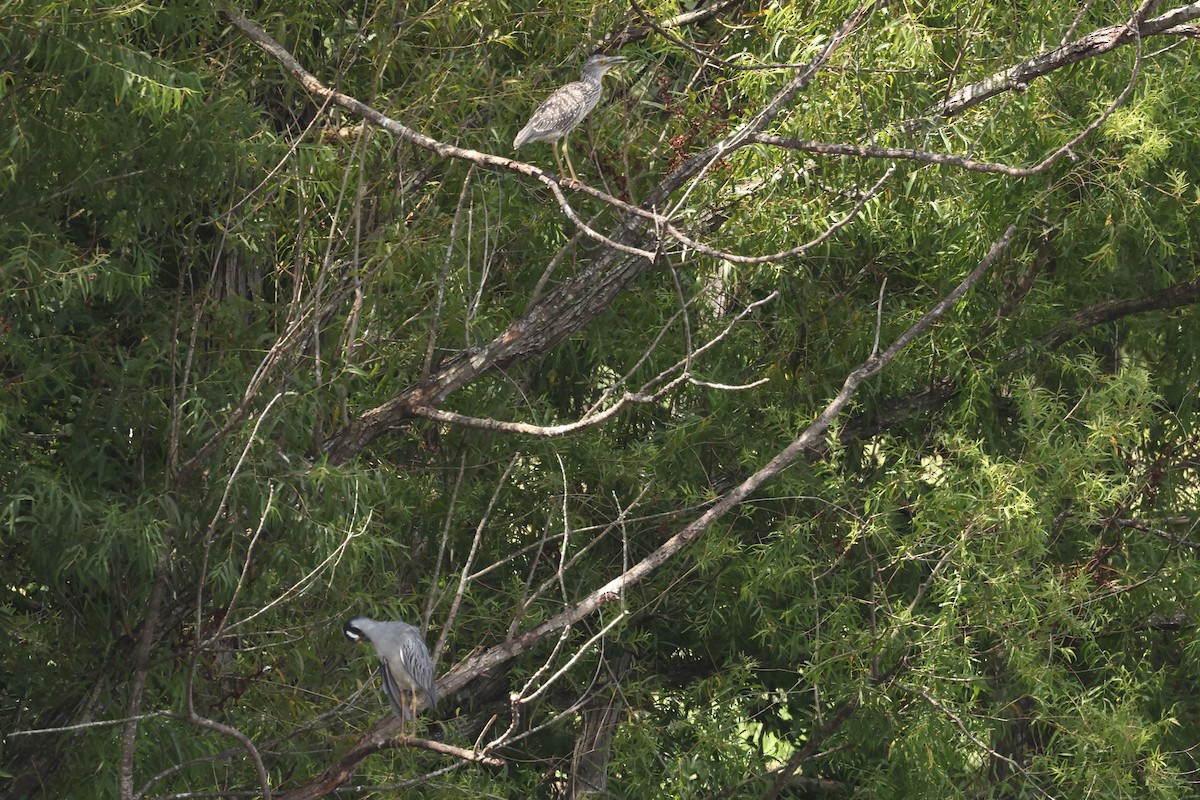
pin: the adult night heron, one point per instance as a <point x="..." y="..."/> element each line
<point x="404" y="662"/>
<point x="566" y="108"/>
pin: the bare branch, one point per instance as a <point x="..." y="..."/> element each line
<point x="1098" y="42"/>
<point x="727" y="387"/>
<point x="548" y="431"/>
<point x="878" y="317"/>
<point x="449" y="749"/>
<point x="632" y="34"/>
<point x="1149" y="527"/>
<point x="84" y="725"/>
<point x="232" y="604"/>
<point x="896" y="153"/>
<point x="464" y="578"/>
<point x="432" y="600"/>
<point x="526" y="698"/>
<point x="243" y="739"/>
<point x="141" y="667"/>
<point x="444" y="274"/>
<point x="332" y="558"/>
<point x="599" y="237"/>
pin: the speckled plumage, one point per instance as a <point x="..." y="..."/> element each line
<point x="567" y="106"/>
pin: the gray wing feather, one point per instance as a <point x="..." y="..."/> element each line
<point x="420" y="666"/>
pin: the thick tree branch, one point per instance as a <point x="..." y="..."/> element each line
<point x="1180" y="294"/>
<point x="1098" y="42"/>
<point x="593" y="744"/>
<point x="141" y="668"/>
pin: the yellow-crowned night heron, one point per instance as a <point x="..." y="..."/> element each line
<point x="566" y="108"/>
<point x="404" y="662"/>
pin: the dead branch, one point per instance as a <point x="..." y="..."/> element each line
<point x="475" y="756"/>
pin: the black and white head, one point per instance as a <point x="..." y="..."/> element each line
<point x="352" y="630"/>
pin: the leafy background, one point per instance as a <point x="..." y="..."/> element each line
<point x="983" y="584"/>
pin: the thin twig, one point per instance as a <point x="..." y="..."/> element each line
<point x="432" y="599"/>
<point x="97" y="724"/>
<point x="466" y="570"/>
<point x="585" y="647"/>
<point x="801" y="249"/>
<point x="975" y="740"/>
<point x="443" y="276"/>
<point x="878" y="317"/>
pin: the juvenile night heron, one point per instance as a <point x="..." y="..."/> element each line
<point x="566" y="108"/>
<point x="404" y="662"/>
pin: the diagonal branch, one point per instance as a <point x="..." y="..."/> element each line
<point x="468" y="670"/>
<point x="1098" y="42"/>
<point x="1180" y="294"/>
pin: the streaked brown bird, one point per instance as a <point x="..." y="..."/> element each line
<point x="566" y="108"/>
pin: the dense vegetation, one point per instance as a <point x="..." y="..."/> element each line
<point x="835" y="436"/>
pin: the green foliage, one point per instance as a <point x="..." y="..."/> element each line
<point x="205" y="275"/>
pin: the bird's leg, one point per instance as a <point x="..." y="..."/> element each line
<point x="570" y="166"/>
<point x="403" y="713"/>
<point x="557" y="160"/>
